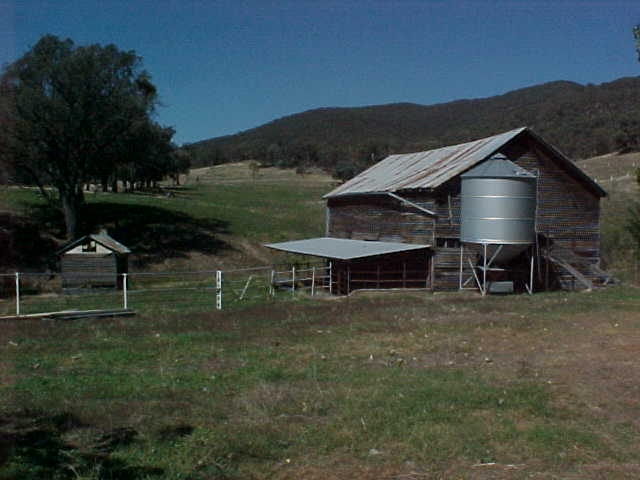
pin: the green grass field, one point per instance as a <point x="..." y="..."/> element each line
<point x="387" y="386"/>
<point x="394" y="386"/>
<point x="218" y="222"/>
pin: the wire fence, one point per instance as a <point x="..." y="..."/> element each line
<point x="30" y="293"/>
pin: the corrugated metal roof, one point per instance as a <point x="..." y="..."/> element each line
<point x="498" y="166"/>
<point x="110" y="242"/>
<point x="423" y="169"/>
<point x="432" y="168"/>
<point x="342" y="248"/>
<point x="102" y="238"/>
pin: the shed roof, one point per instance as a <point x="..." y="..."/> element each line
<point x="102" y="238"/>
<point x="430" y="169"/>
<point x="342" y="248"/>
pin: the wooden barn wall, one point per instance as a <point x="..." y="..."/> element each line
<point x="568" y="214"/>
<point x="88" y="269"/>
<point x="380" y="218"/>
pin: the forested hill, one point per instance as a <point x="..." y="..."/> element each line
<point x="581" y="120"/>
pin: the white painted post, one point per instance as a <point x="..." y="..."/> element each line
<point x="313" y="280"/>
<point x="272" y="290"/>
<point x="531" y="276"/>
<point x="125" y="300"/>
<point x="330" y="279"/>
<point x="218" y="290"/>
<point x="293" y="280"/>
<point x="17" y="294"/>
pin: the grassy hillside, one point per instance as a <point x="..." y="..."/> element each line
<point x="617" y="174"/>
<point x="581" y="120"/>
<point x="218" y="220"/>
<point x="223" y="214"/>
<point x="398" y="387"/>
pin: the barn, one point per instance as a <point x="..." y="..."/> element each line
<point x="504" y="213"/>
<point x="95" y="260"/>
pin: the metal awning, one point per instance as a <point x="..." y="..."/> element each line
<point x="342" y="248"/>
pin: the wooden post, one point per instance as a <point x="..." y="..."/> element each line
<point x="432" y="265"/>
<point x="461" y="259"/>
<point x="293" y="280"/>
<point x="348" y="279"/>
<point x="313" y="280"/>
<point x="330" y="278"/>
<point x="404" y="274"/>
<point x="546" y="264"/>
<point x="426" y="273"/>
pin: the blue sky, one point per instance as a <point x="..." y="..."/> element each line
<point x="226" y="66"/>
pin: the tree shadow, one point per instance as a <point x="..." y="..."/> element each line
<point x="152" y="233"/>
<point x="33" y="446"/>
<point x="24" y="243"/>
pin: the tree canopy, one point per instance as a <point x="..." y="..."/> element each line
<point x="79" y="114"/>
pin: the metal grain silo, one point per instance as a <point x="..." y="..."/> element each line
<point x="498" y="206"/>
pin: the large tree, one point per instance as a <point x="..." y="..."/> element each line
<point x="73" y="114"/>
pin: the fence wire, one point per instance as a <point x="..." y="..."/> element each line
<point x="159" y="292"/>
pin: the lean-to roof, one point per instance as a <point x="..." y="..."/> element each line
<point x="342" y="248"/>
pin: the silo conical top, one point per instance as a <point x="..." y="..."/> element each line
<point x="498" y="166"/>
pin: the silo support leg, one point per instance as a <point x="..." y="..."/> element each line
<point x="484" y="271"/>
<point x="475" y="275"/>
<point x="530" y="285"/>
<point x="493" y="257"/>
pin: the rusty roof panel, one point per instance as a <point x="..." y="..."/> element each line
<point x="423" y="169"/>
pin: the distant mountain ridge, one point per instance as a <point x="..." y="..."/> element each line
<point x="581" y="120"/>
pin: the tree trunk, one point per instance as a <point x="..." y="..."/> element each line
<point x="71" y="202"/>
<point x="105" y="183"/>
<point x="114" y="184"/>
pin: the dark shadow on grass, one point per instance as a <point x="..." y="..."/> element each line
<point x="152" y="233"/>
<point x="25" y="243"/>
<point x="33" y="446"/>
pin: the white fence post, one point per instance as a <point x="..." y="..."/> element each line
<point x="272" y="290"/>
<point x="17" y="294"/>
<point x="293" y="280"/>
<point x="125" y="299"/>
<point x="313" y="280"/>
<point x="330" y="279"/>
<point x="218" y="289"/>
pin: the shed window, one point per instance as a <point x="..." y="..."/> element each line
<point x="89" y="247"/>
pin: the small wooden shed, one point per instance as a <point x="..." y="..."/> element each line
<point x="95" y="260"/>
